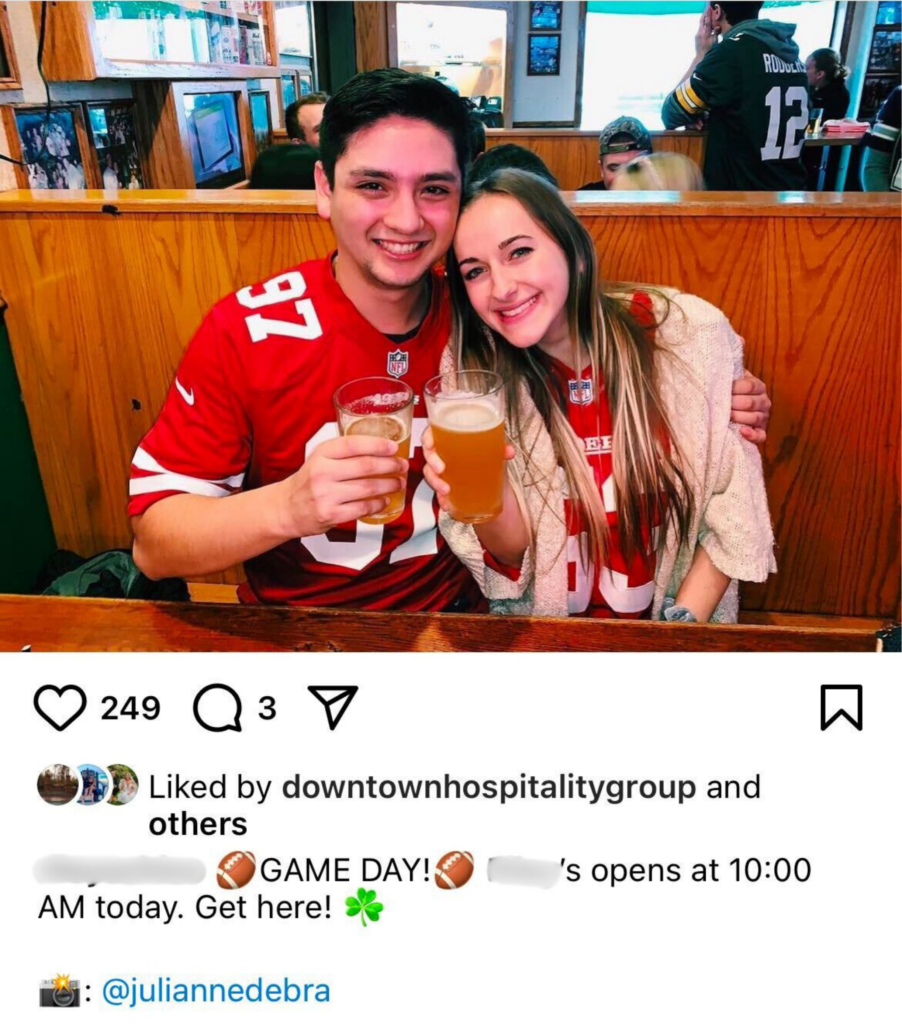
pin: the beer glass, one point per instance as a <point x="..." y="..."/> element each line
<point x="466" y="413"/>
<point x="378" y="407"/>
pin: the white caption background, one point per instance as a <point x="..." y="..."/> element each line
<point x="705" y="952"/>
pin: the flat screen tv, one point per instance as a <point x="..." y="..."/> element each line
<point x="214" y="138"/>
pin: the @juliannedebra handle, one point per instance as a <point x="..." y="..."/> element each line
<point x="443" y="843"/>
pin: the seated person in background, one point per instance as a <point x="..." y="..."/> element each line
<point x="827" y="84"/>
<point x="291" y="166"/>
<point x="620" y="142"/>
<point x="304" y="117"/>
<point x="827" y="92"/>
<point x="660" y="172"/>
<point x="619" y="413"/>
<point x="508" y="155"/>
<point x="754" y="88"/>
<point x="881" y="167"/>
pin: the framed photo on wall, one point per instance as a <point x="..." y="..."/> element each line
<point x="111" y="124"/>
<point x="545" y="17"/>
<point x="261" y="118"/>
<point x="544" y="55"/>
<point x="291" y="89"/>
<point x="53" y="146"/>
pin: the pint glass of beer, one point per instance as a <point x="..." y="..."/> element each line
<point x="466" y="413"/>
<point x="378" y="407"/>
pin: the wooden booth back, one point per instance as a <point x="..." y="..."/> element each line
<point x="102" y="304"/>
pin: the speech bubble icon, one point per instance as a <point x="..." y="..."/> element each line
<point x="217" y="708"/>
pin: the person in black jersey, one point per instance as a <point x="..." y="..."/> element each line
<point x="754" y="90"/>
<point x="827" y="84"/>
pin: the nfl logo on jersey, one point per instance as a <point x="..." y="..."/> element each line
<point x="580" y="391"/>
<point x="397" y="363"/>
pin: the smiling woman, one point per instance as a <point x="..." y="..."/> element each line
<point x="618" y="407"/>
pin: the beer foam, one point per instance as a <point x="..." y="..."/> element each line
<point x="389" y="427"/>
<point x="466" y="416"/>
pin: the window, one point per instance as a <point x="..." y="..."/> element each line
<point x="636" y="52"/>
<point x="294" y="34"/>
<point x="465" y="47"/>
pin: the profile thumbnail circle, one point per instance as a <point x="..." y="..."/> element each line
<point x="124" y="787"/>
<point x="95" y="784"/>
<point x="57" y="784"/>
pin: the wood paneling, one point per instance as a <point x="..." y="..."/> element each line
<point x="69" y="51"/>
<point x="90" y="624"/>
<point x="371" y="35"/>
<point x="96" y="351"/>
<point x="572" y="156"/>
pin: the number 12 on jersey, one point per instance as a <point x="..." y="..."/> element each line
<point x="792" y="140"/>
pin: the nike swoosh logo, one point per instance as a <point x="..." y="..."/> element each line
<point x="187" y="395"/>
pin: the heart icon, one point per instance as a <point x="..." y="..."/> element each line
<point x="57" y="707"/>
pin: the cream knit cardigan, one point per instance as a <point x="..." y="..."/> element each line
<point x="697" y="358"/>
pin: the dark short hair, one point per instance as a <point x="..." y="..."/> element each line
<point x="511" y="157"/>
<point x="734" y="13"/>
<point x="477" y="134"/>
<point x="292" y="124"/>
<point x="385" y="92"/>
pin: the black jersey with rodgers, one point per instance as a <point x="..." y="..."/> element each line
<point x="758" y="106"/>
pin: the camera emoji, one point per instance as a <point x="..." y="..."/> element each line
<point x="60" y="992"/>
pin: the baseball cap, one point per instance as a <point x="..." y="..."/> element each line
<point x="637" y="132"/>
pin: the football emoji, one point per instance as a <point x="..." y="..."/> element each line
<point x="236" y="870"/>
<point x="454" y="870"/>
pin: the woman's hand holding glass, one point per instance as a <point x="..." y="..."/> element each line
<point x="506" y="536"/>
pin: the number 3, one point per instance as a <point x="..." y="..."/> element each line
<point x="792" y="145"/>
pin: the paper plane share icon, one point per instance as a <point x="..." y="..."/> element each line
<point x="335" y="699"/>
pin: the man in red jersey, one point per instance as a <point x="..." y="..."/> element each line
<point x="250" y="415"/>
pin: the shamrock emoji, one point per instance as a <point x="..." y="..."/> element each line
<point x="364" y="902"/>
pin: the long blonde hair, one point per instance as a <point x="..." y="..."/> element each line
<point x="649" y="485"/>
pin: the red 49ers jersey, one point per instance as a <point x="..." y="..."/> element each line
<point x="251" y="400"/>
<point x="624" y="588"/>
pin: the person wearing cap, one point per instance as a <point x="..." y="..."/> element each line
<point x="620" y="141"/>
<point x="753" y="88"/>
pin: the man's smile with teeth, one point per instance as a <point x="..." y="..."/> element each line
<point x="517" y="310"/>
<point x="400" y="248"/>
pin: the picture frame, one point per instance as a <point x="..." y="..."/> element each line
<point x="290" y="89"/>
<point x="261" y="118"/>
<point x="9" y="67"/>
<point x="114" y="139"/>
<point x="885" y="52"/>
<point x="544" y="57"/>
<point x="65" y="162"/>
<point x="545" y="17"/>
